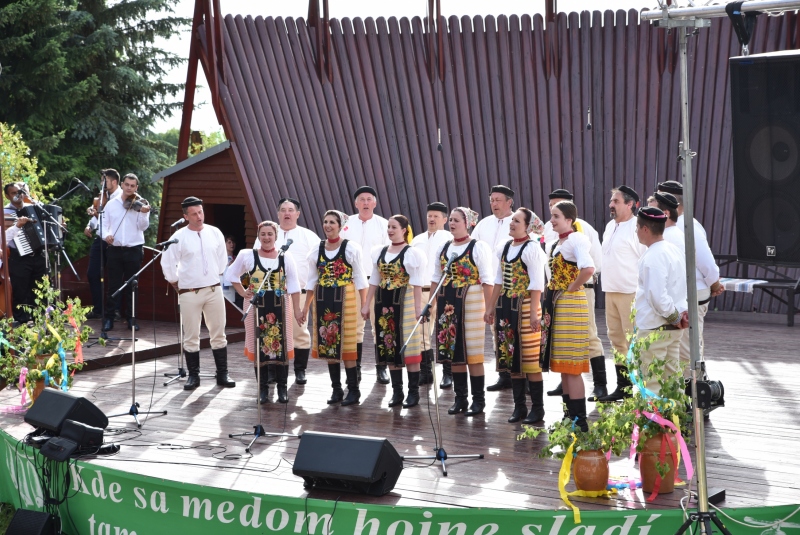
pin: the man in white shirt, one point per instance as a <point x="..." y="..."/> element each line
<point x="99" y="249"/>
<point x="430" y="242"/>
<point x="303" y="241"/>
<point x="667" y="203"/>
<point x="367" y="229"/>
<point x="706" y="273"/>
<point x="493" y="230"/>
<point x="660" y="295"/>
<point x="124" y="223"/>
<point x="597" y="356"/>
<point x="193" y="267"/>
<point x="621" y="254"/>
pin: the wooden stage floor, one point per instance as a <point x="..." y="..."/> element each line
<point x="749" y="442"/>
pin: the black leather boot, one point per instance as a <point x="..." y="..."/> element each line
<point x="557" y="391"/>
<point x="353" y="393"/>
<point x="193" y="369"/>
<point x="335" y="371"/>
<point x="425" y="373"/>
<point x="413" y="390"/>
<point x="270" y="369"/>
<point x="520" y="408"/>
<point x="397" y="388"/>
<point x="263" y="386"/>
<point x="383" y="375"/>
<point x="577" y="413"/>
<point x="622" y="382"/>
<point x="599" y="378"/>
<point x="447" y="375"/>
<point x="462" y="391"/>
<point x="503" y="382"/>
<point x="300" y="365"/>
<point x="282" y="377"/>
<point x="537" y="403"/>
<point x="359" y="353"/>
<point x="478" y="395"/>
<point x="221" y="360"/>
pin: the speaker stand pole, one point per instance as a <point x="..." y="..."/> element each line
<point x="258" y="430"/>
<point x="133" y="282"/>
<point x="439" y="453"/>
<point x="181" y="370"/>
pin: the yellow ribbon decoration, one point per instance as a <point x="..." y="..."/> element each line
<point x="52" y="330"/>
<point x="563" y="478"/>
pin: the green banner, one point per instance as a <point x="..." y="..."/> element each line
<point x="105" y="501"/>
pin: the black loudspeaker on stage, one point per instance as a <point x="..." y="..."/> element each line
<point x="54" y="407"/>
<point x="27" y="522"/>
<point x="765" y="110"/>
<point x="348" y="463"/>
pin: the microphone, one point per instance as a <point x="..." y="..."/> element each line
<point x="453" y="256"/>
<point x="167" y="243"/>
<point x="286" y="245"/>
<point x="78" y="180"/>
<point x="178" y="223"/>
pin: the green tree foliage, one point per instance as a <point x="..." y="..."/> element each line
<point x="16" y="162"/>
<point x="84" y="82"/>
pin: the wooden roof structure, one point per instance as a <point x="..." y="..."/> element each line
<point x="582" y="101"/>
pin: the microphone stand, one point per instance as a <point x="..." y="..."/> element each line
<point x="257" y="300"/>
<point x="133" y="282"/>
<point x="440" y="454"/>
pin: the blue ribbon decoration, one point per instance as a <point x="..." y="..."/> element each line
<point x="64" y="368"/>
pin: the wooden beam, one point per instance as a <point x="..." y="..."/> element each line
<point x="191" y="85"/>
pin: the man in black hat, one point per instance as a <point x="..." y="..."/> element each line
<point x="193" y="266"/>
<point x="597" y="361"/>
<point x="667" y="203"/>
<point x="706" y="271"/>
<point x="303" y="241"/>
<point x="430" y="242"/>
<point x="621" y="253"/>
<point x="493" y="229"/>
<point x="367" y="229"/>
<point x="660" y="294"/>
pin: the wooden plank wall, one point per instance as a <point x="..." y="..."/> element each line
<point x="513" y="109"/>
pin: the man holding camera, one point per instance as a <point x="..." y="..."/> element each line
<point x="124" y="221"/>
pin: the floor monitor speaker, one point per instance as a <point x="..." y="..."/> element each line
<point x="27" y="522"/>
<point x="53" y="407"/>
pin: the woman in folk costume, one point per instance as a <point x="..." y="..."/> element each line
<point x="334" y="276"/>
<point x="565" y="320"/>
<point x="461" y="303"/>
<point x="279" y="299"/>
<point x="396" y="284"/>
<point x="516" y="313"/>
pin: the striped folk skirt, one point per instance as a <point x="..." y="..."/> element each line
<point x="335" y="323"/>
<point x="566" y="340"/>
<point x="459" y="327"/>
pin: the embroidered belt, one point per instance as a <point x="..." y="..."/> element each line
<point x="195" y="290"/>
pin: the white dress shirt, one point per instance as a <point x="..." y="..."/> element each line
<point x="197" y="260"/>
<point x="353" y="256"/>
<point x="534" y="258"/>
<point x="481" y="255"/>
<point x="94" y="222"/>
<point x="303" y="241"/>
<point x="697" y="226"/>
<point x="661" y="288"/>
<point x="245" y="262"/>
<point x="674" y="235"/>
<point x="577" y="249"/>
<point x="588" y="230"/>
<point x="127" y="226"/>
<point x="10" y="210"/>
<point x="492" y="230"/>
<point x="414" y="262"/>
<point x="367" y="234"/>
<point x="429" y="244"/>
<point x="621" y="254"/>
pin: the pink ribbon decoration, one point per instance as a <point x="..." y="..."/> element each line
<point x="78" y="347"/>
<point x="23" y="374"/>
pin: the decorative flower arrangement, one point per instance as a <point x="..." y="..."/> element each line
<point x="329" y="334"/>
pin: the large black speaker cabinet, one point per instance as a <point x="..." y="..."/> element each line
<point x="53" y="407"/>
<point x="27" y="522"/>
<point x="765" y="109"/>
<point x="348" y="463"/>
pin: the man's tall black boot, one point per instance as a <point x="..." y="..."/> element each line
<point x="557" y="391"/>
<point x="300" y="365"/>
<point x="413" y="390"/>
<point x="282" y="377"/>
<point x="478" y="395"/>
<point x="221" y="360"/>
<point x="520" y="408"/>
<point x="622" y="382"/>
<point x="397" y="388"/>
<point x="598" y="377"/>
<point x="335" y="371"/>
<point x="447" y="375"/>
<point x="577" y="413"/>
<point x="425" y="373"/>
<point x="193" y="369"/>
<point x="353" y="393"/>
<point x="263" y="386"/>
<point x="537" y="403"/>
<point x="462" y="391"/>
<point x="503" y="382"/>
